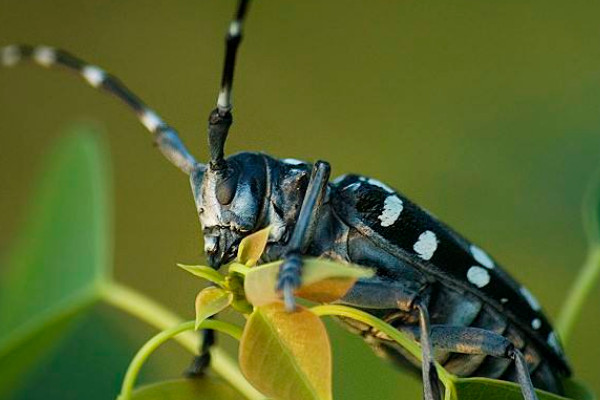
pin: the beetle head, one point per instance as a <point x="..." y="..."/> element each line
<point x="229" y="199"/>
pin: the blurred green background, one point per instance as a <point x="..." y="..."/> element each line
<point x="487" y="114"/>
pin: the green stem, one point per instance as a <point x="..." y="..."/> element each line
<point x="151" y="312"/>
<point x="151" y="345"/>
<point x="156" y="315"/>
<point x="402" y="339"/>
<point x="587" y="278"/>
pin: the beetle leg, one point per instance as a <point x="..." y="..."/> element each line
<point x="201" y="362"/>
<point x="290" y="271"/>
<point x="380" y="293"/>
<point x="431" y="388"/>
<point x="468" y="340"/>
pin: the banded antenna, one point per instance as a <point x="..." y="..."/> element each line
<point x="220" y="119"/>
<point x="165" y="136"/>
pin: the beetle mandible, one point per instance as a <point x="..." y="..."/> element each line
<point x="430" y="282"/>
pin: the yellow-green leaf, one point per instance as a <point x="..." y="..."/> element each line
<point x="286" y="355"/>
<point x="252" y="247"/>
<point x="204" y="272"/>
<point x="483" y="388"/>
<point x="326" y="281"/>
<point x="322" y="281"/>
<point x="260" y="282"/>
<point x="211" y="301"/>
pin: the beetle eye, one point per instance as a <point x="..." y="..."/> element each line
<point x="226" y="188"/>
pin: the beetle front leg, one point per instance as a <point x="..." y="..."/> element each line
<point x="201" y="362"/>
<point x="291" y="269"/>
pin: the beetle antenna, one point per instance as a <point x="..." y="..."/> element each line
<point x="220" y="119"/>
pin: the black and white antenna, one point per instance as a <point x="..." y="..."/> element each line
<point x="165" y="136"/>
<point x="220" y="119"/>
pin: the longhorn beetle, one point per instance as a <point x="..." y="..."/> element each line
<point x="430" y="282"/>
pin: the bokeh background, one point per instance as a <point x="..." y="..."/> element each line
<point x="486" y="113"/>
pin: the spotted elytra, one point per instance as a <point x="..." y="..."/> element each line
<point x="427" y="274"/>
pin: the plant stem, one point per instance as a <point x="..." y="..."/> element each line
<point x="401" y="338"/>
<point x="151" y="312"/>
<point x="156" y="315"/>
<point x="587" y="278"/>
<point x="148" y="348"/>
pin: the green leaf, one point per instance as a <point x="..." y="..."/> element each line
<point x="204" y="272"/>
<point x="322" y="281"/>
<point x="252" y="247"/>
<point x="286" y="355"/>
<point x="490" y="389"/>
<point x="88" y="361"/>
<point x="211" y="301"/>
<point x="187" y="389"/>
<point x="60" y="260"/>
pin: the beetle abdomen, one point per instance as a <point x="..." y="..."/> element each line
<point x="470" y="288"/>
<point x="451" y="308"/>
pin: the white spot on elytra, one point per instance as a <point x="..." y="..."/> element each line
<point x="478" y="276"/>
<point x="292" y="161"/>
<point x="44" y="55"/>
<point x="235" y="28"/>
<point x="481" y="257"/>
<point x="93" y="75"/>
<point x="554" y="343"/>
<point x="392" y="207"/>
<point x="150" y="120"/>
<point x="533" y="302"/>
<point x="504" y="300"/>
<point x="536" y="323"/>
<point x="382" y="185"/>
<point x="10" y="56"/>
<point x="426" y="245"/>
